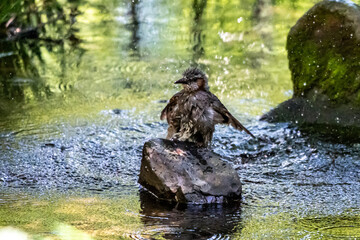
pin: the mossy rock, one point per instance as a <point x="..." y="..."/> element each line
<point x="324" y="52"/>
<point x="324" y="60"/>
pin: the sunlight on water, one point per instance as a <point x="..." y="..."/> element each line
<point x="45" y="216"/>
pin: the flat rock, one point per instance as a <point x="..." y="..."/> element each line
<point x="181" y="172"/>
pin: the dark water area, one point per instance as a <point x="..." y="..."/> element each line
<point x="82" y="84"/>
<point x="188" y="221"/>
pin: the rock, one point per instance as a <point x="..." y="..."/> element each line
<point x="181" y="172"/>
<point x="339" y="123"/>
<point x="324" y="59"/>
<point x="117" y="111"/>
<point x="324" y="52"/>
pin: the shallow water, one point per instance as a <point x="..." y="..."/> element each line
<point x="74" y="117"/>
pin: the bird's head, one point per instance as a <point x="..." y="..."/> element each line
<point x="193" y="80"/>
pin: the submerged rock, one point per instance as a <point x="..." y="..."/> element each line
<point x="181" y="172"/>
<point x="340" y="123"/>
<point x="324" y="55"/>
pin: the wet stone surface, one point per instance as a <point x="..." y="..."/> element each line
<point x="181" y="172"/>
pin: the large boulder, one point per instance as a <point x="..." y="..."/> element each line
<point x="324" y="59"/>
<point x="324" y="52"/>
<point x="182" y="172"/>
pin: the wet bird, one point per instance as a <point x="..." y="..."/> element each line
<point x="193" y="112"/>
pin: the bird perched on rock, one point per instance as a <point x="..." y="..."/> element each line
<point x="193" y="112"/>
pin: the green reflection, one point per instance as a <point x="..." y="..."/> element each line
<point x="265" y="224"/>
<point x="96" y="217"/>
<point x="85" y="216"/>
<point x="37" y="39"/>
<point x="98" y="55"/>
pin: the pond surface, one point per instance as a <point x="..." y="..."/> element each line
<point x="79" y="99"/>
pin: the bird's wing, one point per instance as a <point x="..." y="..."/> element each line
<point x="169" y="107"/>
<point x="223" y="116"/>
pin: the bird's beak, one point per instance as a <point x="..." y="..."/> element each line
<point x="181" y="80"/>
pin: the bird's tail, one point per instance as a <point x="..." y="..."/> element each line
<point x="236" y="124"/>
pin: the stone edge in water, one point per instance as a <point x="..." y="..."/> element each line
<point x="163" y="192"/>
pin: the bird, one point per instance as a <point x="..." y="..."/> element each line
<point x="193" y="112"/>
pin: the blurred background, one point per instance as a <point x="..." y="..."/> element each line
<point x="79" y="57"/>
<point x="82" y="84"/>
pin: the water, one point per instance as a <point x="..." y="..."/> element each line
<point x="75" y="113"/>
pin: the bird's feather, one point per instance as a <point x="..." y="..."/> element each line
<point x="166" y="112"/>
<point x="193" y="112"/>
<point x="223" y="116"/>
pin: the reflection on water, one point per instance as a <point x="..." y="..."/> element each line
<point x="262" y="17"/>
<point x="44" y="216"/>
<point x="134" y="29"/>
<point x="33" y="33"/>
<point x="188" y="222"/>
<point x="82" y="84"/>
<point x="197" y="29"/>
